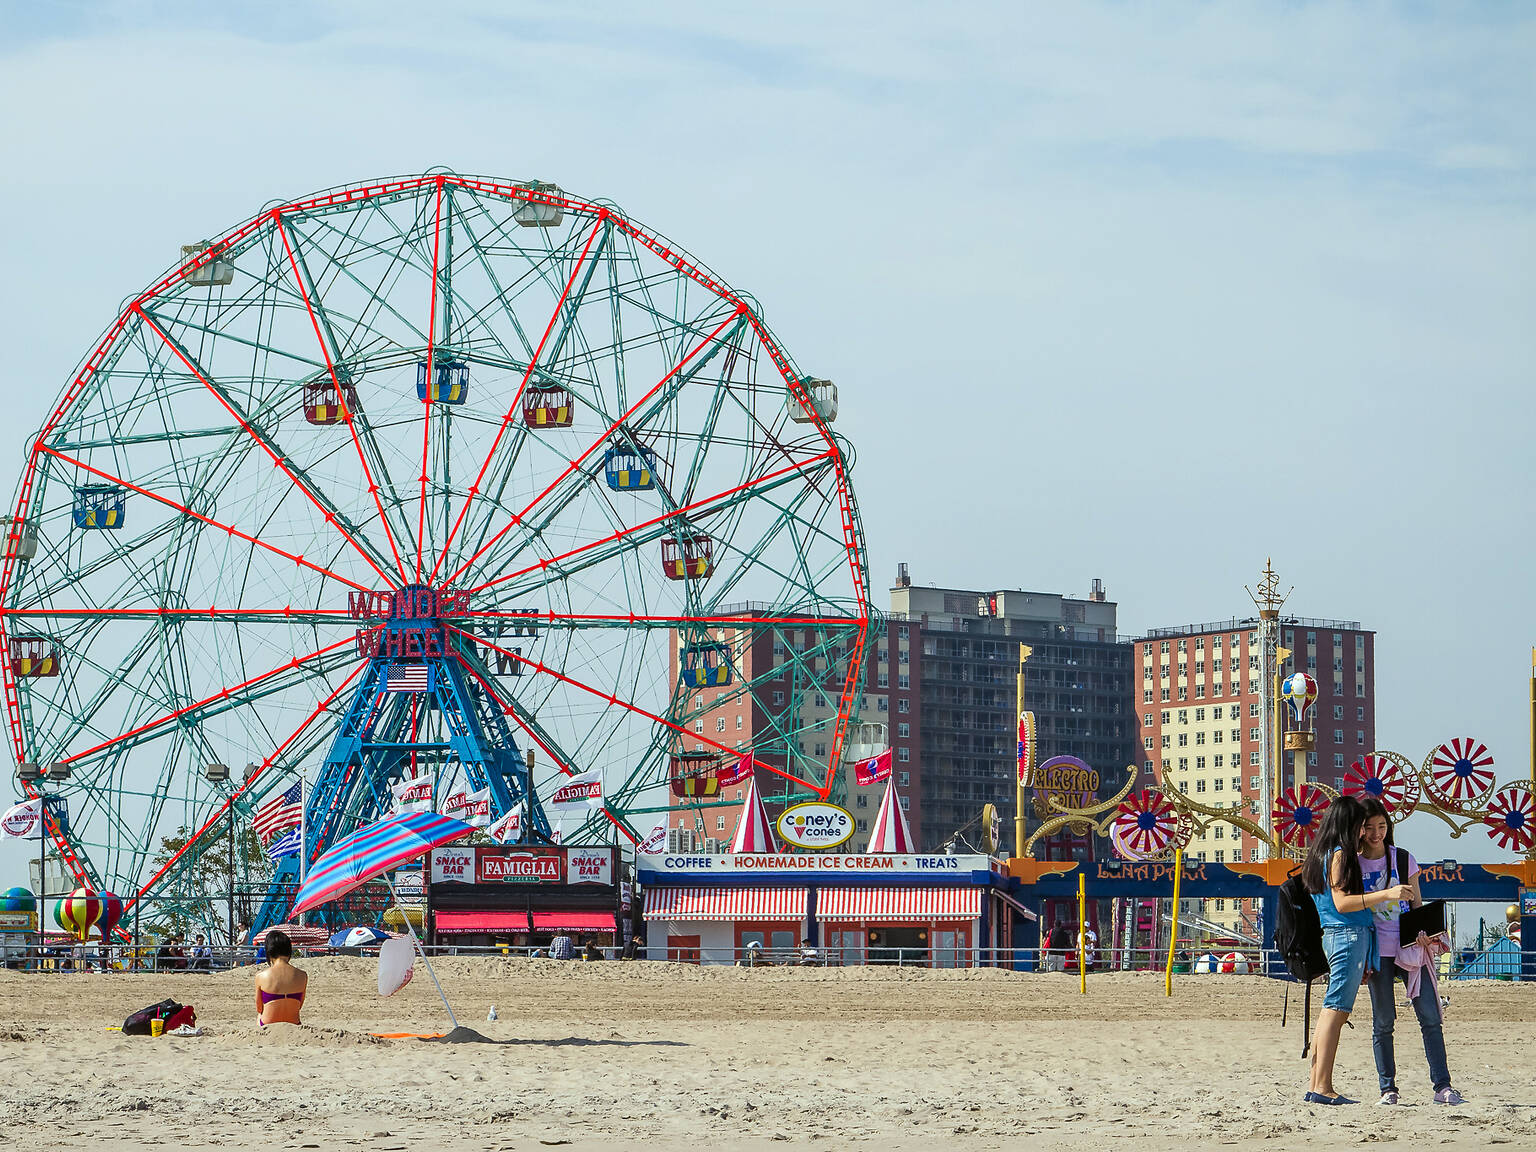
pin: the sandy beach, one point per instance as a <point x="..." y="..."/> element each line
<point x="609" y="1055"/>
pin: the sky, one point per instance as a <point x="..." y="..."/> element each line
<point x="1140" y="292"/>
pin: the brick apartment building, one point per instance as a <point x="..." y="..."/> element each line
<point x="1201" y="723"/>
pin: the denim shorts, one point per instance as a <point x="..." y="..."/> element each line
<point x="1347" y="948"/>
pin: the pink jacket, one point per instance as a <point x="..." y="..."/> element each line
<point x="1418" y="959"/>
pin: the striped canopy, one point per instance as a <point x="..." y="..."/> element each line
<point x="753" y="831"/>
<point x="891" y="833"/>
<point x="373" y="850"/>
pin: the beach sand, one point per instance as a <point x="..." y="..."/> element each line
<point x="610" y="1055"/>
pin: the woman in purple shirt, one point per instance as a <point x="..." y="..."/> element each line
<point x="1382" y="865"/>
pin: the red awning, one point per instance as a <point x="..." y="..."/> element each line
<point x="497" y="923"/>
<point x="573" y="922"/>
<point x="898" y="904"/>
<point x="694" y="904"/>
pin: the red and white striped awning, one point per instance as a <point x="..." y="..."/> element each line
<point x="882" y="904"/>
<point x="725" y="904"/>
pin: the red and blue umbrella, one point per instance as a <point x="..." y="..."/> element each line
<point x="373" y="850"/>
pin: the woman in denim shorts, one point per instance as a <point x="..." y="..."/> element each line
<point x="1331" y="873"/>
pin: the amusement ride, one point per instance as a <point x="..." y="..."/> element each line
<point x="433" y="477"/>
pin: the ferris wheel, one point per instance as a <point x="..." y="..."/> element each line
<point x="435" y="474"/>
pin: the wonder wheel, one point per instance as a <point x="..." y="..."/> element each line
<point x="433" y="476"/>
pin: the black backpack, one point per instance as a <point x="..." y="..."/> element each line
<point x="138" y="1023"/>
<point x="1299" y="940"/>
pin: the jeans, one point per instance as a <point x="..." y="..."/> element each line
<point x="1347" y="947"/>
<point x="1426" y="1006"/>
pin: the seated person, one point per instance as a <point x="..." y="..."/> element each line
<point x="202" y="955"/>
<point x="590" y="950"/>
<point x="281" y="987"/>
<point x="560" y="948"/>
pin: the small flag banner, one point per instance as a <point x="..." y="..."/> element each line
<point x="413" y="795"/>
<point x="509" y="829"/>
<point x="285" y="845"/>
<point x="21" y="820"/>
<point x="279" y="813"/>
<point x="408" y="678"/>
<point x="656" y="841"/>
<point x="1026" y="753"/>
<point x="583" y="788"/>
<point x="873" y="770"/>
<point x="737" y="772"/>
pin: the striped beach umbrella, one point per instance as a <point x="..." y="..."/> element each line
<point x="891" y="833"/>
<point x="753" y="831"/>
<point x="372" y="850"/>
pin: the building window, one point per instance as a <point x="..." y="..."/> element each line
<point x="1237" y="786"/>
<point x="1253" y="708"/>
<point x="1253" y="733"/>
<point x="1183" y="763"/>
<point x="1199" y="737"/>
<point x="1338" y="759"/>
<point x="1163" y="647"/>
<point x="1199" y="763"/>
<point x="905" y="803"/>
<point x="1183" y="739"/>
<point x="903" y="779"/>
<point x="778" y="697"/>
<point x="1146" y="720"/>
<point x="904" y="705"/>
<point x="1146" y="743"/>
<point x="1199" y="691"/>
<point x="1359" y="689"/>
<point x="1146" y="696"/>
<point x="738" y="723"/>
<point x="903" y="680"/>
<point x="1184" y="786"/>
<point x="1216" y="736"/>
<point x="1254" y="782"/>
<point x="1359" y="713"/>
<point x="1147" y="764"/>
<point x="903" y="729"/>
<point x="861" y="801"/>
<point x="1311" y="759"/>
<point x="1183" y="645"/>
<point x="1183" y="692"/>
<point x="1217" y="785"/>
<point x="1219" y="757"/>
<point x="904" y="754"/>
<point x="720" y="724"/>
<point x="1220" y="831"/>
<point x="698" y="725"/>
<point x="901" y="633"/>
<point x="884" y="704"/>
<point x="1338" y="735"/>
<point x="1165" y="696"/>
<point x="901" y="656"/>
<point x="1199" y="785"/>
<point x="882" y="679"/>
<point x="1253" y="757"/>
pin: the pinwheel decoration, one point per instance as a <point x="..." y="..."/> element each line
<point x="1298" y="812"/>
<point x="1460" y="773"/>
<point x="1511" y="818"/>
<point x="1145" y="825"/>
<point x="1376" y="777"/>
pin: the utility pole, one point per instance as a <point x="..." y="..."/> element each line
<point x="1026" y="756"/>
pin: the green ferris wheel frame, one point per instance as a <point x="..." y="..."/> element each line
<point x="587" y="453"/>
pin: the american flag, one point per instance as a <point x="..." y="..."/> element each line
<point x="407" y="678"/>
<point x="278" y="814"/>
<point x="285" y="845"/>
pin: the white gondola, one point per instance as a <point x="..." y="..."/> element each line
<point x="823" y="395"/>
<point x="214" y="272"/>
<point x="20" y="538"/>
<point x="865" y="740"/>
<point x="531" y="214"/>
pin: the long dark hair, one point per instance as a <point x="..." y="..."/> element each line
<point x="278" y="945"/>
<point x="1374" y="808"/>
<point x="1340" y="829"/>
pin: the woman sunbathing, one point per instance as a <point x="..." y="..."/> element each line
<point x="280" y="989"/>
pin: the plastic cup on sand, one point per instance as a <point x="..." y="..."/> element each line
<point x="157" y="1027"/>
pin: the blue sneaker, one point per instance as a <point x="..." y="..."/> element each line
<point x="1319" y="1098"/>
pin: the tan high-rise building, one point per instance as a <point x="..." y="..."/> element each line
<point x="1202" y="728"/>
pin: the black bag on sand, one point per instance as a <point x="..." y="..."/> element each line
<point x="1299" y="940"/>
<point x="138" y="1023"/>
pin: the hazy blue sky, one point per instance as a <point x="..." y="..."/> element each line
<point x="1145" y="292"/>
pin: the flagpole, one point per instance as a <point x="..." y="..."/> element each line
<point x="303" y="836"/>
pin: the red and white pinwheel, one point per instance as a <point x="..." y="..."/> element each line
<point x="1511" y="818"/>
<point x="1460" y="773"/>
<point x="1297" y="814"/>
<point x="1145" y="825"/>
<point x="1377" y="777"/>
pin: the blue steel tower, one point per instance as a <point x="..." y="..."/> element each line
<point x="423" y="704"/>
